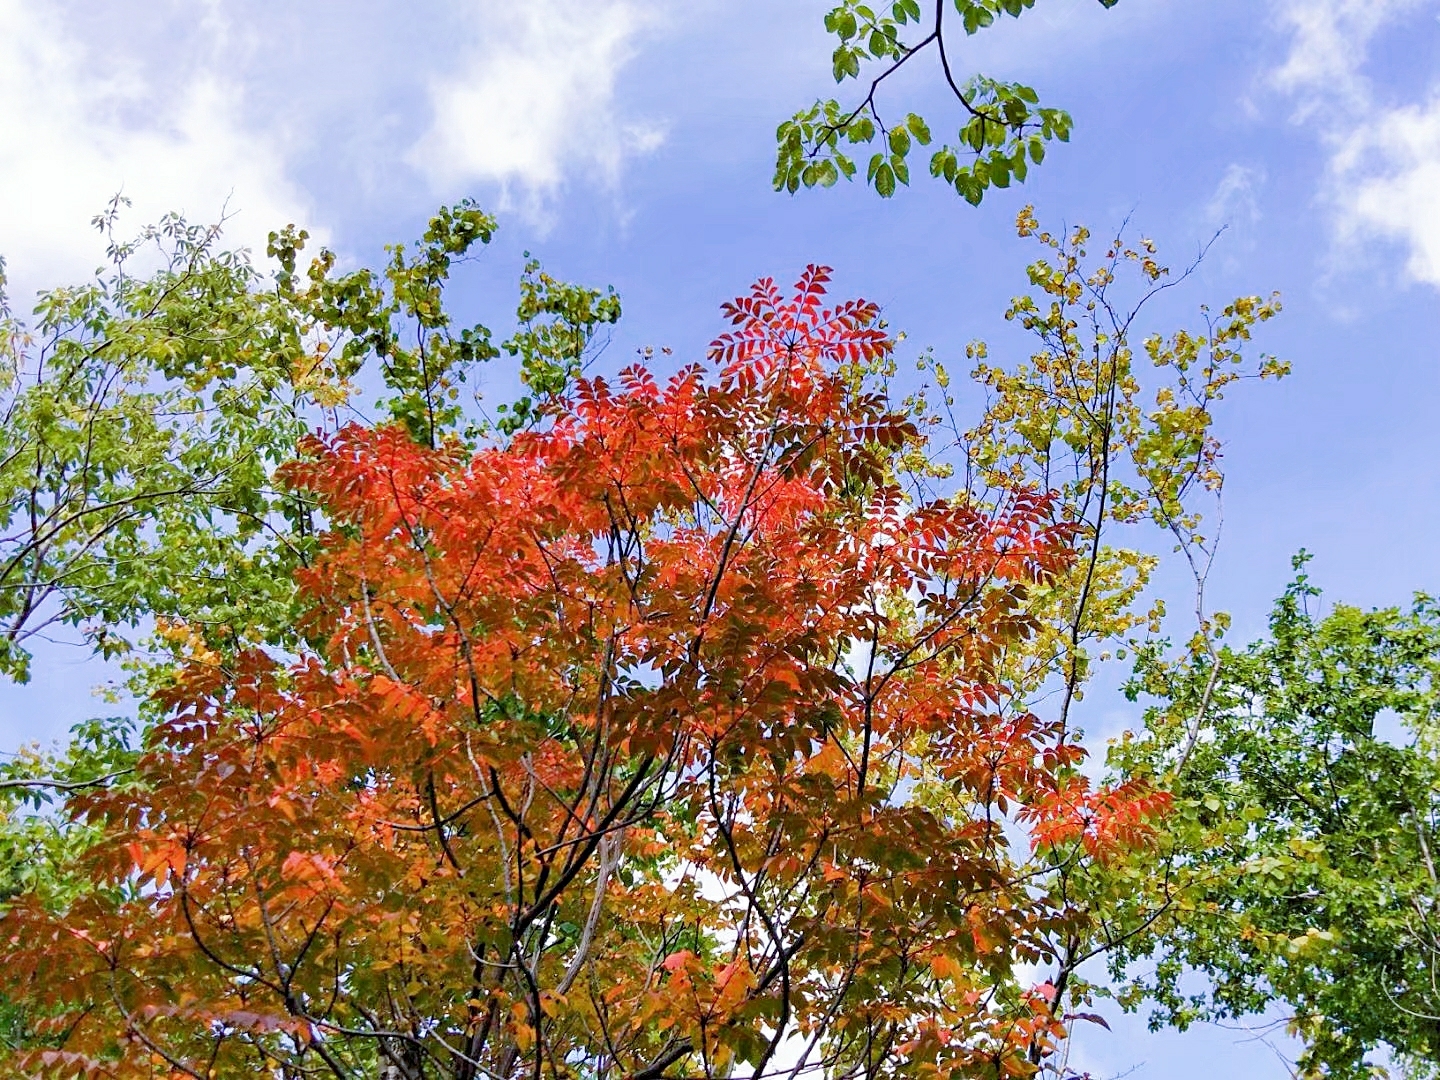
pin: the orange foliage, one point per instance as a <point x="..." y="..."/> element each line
<point x="606" y="764"/>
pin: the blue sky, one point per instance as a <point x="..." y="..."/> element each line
<point x="629" y="142"/>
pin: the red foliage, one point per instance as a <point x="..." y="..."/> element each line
<point x="656" y="738"/>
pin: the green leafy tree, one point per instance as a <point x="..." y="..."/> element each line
<point x="1002" y="130"/>
<point x="142" y="417"/>
<point x="1299" y="865"/>
<point x="145" y="415"/>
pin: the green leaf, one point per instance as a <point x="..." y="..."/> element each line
<point x="918" y="129"/>
<point x="885" y="181"/>
<point x="970" y="186"/>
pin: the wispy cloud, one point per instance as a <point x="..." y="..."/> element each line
<point x="1328" y="47"/>
<point x="77" y="126"/>
<point x="1384" y="169"/>
<point x="1388" y="175"/>
<point x="1233" y="203"/>
<point x="195" y="107"/>
<point x="1234" y="206"/>
<point x="534" y="100"/>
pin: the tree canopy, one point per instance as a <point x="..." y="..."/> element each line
<point x="602" y="760"/>
<point x="1299" y="849"/>
<point x="658" y="724"/>
<point x="146" y="416"/>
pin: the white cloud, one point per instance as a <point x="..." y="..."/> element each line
<point x="1328" y="48"/>
<point x="1388" y="179"/>
<point x="1233" y="204"/>
<point x="534" y="101"/>
<point x="193" y="105"/>
<point x="77" y="126"/>
<point x="1384" y="170"/>
<point x="1234" y="208"/>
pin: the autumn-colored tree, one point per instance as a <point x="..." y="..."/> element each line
<point x="146" y="413"/>
<point x="609" y="762"/>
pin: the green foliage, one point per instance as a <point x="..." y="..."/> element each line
<point x="1121" y="443"/>
<point x="1004" y="128"/>
<point x="400" y="319"/>
<point x="144" y="417"/>
<point x="558" y="321"/>
<point x="34" y="848"/>
<point x="1302" y="844"/>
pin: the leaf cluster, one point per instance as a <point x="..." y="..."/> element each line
<point x="1127" y="447"/>
<point x="1004" y="128"/>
